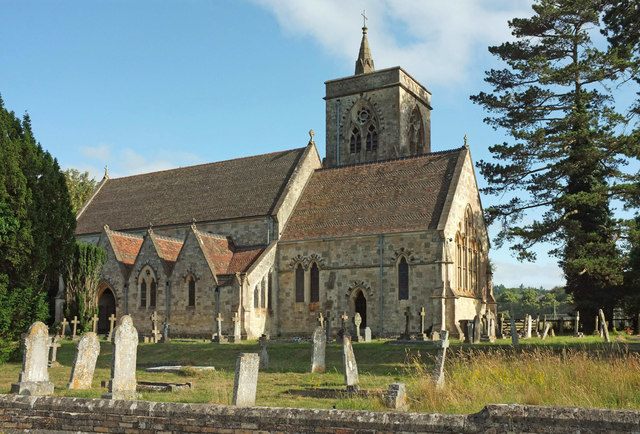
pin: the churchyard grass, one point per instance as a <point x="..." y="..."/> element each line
<point x="558" y="371"/>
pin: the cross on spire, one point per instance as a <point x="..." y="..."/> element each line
<point x="364" y="18"/>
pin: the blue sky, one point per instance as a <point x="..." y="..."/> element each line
<point x="150" y="85"/>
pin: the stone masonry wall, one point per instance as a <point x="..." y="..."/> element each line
<point x="59" y="414"/>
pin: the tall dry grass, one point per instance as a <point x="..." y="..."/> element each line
<point x="608" y="377"/>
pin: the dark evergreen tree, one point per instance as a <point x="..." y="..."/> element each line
<point x="567" y="152"/>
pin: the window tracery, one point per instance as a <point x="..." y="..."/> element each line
<point x="416" y="132"/>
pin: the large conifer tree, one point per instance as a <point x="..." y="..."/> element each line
<point x="566" y="151"/>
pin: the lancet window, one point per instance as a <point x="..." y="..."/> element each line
<point x="468" y="257"/>
<point x="299" y="284"/>
<point x="192" y="291"/>
<point x="416" y="132"/>
<point x="315" y="283"/>
<point x="403" y="279"/>
<point x="147" y="287"/>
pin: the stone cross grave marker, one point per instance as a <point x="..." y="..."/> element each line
<point x="63" y="327"/>
<point x="219" y="338"/>
<point x="357" y="320"/>
<point x="94" y="323"/>
<point x="264" y="356"/>
<point x="514" y="332"/>
<point x="604" y="326"/>
<point x="34" y="378"/>
<point x="396" y="396"/>
<point x="438" y="373"/>
<point x="54" y="344"/>
<point x="318" y="350"/>
<point x="123" y="361"/>
<point x="367" y="334"/>
<point x="422" y="336"/>
<point x="343" y="326"/>
<point x="477" y="329"/>
<point x="155" y="333"/>
<point x="576" y="325"/>
<point x="84" y="364"/>
<point x="528" y="326"/>
<point x="321" y="319"/>
<point x="350" y="367"/>
<point x="246" y="380"/>
<point x="237" y="331"/>
<point x="112" y="321"/>
<point x="75" y="327"/>
<point x="546" y="330"/>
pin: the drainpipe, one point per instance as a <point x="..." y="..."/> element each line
<point x="167" y="296"/>
<point x="381" y="288"/>
<point x="337" y="132"/>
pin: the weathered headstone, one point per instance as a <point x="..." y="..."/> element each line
<point x="438" y="372"/>
<point x="468" y="335"/>
<point x="422" y="336"/>
<point x="84" y="364"/>
<point x="264" y="356"/>
<point x="246" y="380"/>
<point x="514" y="332"/>
<point x="75" y="328"/>
<point x="34" y="378"/>
<point x="123" y="361"/>
<point x="396" y="396"/>
<point x="318" y="350"/>
<point x="576" y="326"/>
<point x="165" y="334"/>
<point x="547" y="326"/>
<point x="477" y="329"/>
<point x="528" y="326"/>
<point x="357" y="321"/>
<point x="367" y="334"/>
<point x="218" y="338"/>
<point x="237" y="329"/>
<point x="604" y="326"/>
<point x="491" y="332"/>
<point x="343" y="326"/>
<point x="500" y="331"/>
<point x="112" y="321"/>
<point x="54" y="344"/>
<point x="94" y="323"/>
<point x="63" y="327"/>
<point x="349" y="364"/>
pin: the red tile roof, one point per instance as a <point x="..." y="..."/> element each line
<point x="243" y="259"/>
<point x="392" y="196"/>
<point x="126" y="246"/>
<point x="237" y="188"/>
<point x="218" y="251"/>
<point x="168" y="249"/>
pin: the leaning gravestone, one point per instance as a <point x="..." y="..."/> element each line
<point x="438" y="372"/>
<point x="546" y="331"/>
<point x="604" y="326"/>
<point x="318" y="350"/>
<point x="34" y="378"/>
<point x="350" y="367"/>
<point x="123" y="361"/>
<point x="246" y="380"/>
<point x="84" y="363"/>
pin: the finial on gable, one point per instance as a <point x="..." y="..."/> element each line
<point x="106" y="171"/>
<point x="193" y="224"/>
<point x="311" y="134"/>
<point x="466" y="145"/>
<point x="106" y="227"/>
<point x="150" y="230"/>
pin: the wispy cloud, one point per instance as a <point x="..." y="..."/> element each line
<point x="100" y="152"/>
<point x="434" y="40"/>
<point x="512" y="274"/>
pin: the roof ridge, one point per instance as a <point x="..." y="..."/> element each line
<point x="168" y="238"/>
<point x="206" y="164"/>
<point x="406" y="157"/>
<point x="212" y="235"/>
<point x="126" y="234"/>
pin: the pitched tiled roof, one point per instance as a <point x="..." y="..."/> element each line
<point x="392" y="196"/>
<point x="228" y="189"/>
<point x="168" y="249"/>
<point x="223" y="256"/>
<point x="243" y="259"/>
<point x="125" y="246"/>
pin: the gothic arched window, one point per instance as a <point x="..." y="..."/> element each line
<point x="256" y="297"/>
<point x="372" y="138"/>
<point x="315" y="284"/>
<point x="192" y="291"/>
<point x="458" y="261"/>
<point x="143" y="294"/>
<point x="263" y="295"/>
<point x="269" y="290"/>
<point x="416" y="132"/>
<point x="403" y="279"/>
<point x="153" y="293"/>
<point x="355" y="145"/>
<point x="299" y="284"/>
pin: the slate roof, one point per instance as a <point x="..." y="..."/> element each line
<point x="229" y="189"/>
<point x="384" y="197"/>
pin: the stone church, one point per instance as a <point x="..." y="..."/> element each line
<point x="382" y="226"/>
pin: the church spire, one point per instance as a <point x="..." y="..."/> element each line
<point x="364" y="63"/>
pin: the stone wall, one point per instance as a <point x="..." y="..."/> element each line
<point x="59" y="414"/>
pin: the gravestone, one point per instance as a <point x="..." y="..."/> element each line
<point x="63" y="327"/>
<point x="438" y="373"/>
<point x="422" y="336"/>
<point x="528" y="325"/>
<point x="477" y="329"/>
<point x="94" y="323"/>
<point x="343" y="326"/>
<point x="604" y="326"/>
<point x="547" y="326"/>
<point x="367" y="334"/>
<point x="112" y="321"/>
<point x="75" y="327"/>
<point x="84" y="364"/>
<point x="597" y="330"/>
<point x="396" y="397"/>
<point x="468" y="328"/>
<point x="237" y="329"/>
<point x="122" y="384"/>
<point x="165" y="334"/>
<point x="492" y="326"/>
<point x="327" y="327"/>
<point x="349" y="364"/>
<point x="264" y="356"/>
<point x="246" y="380"/>
<point x="318" y="350"/>
<point x="54" y="344"/>
<point x="155" y="333"/>
<point x="576" y="326"/>
<point x="321" y="320"/>
<point x="34" y="378"/>
<point x="537" y="329"/>
<point x="357" y="321"/>
<point x="218" y="338"/>
<point x="406" y="335"/>
<point x="552" y="333"/>
<point x="544" y="322"/>
<point x="514" y="332"/>
<point x="500" y="331"/>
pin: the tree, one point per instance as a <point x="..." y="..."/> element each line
<point x="82" y="279"/>
<point x="567" y="152"/>
<point x="80" y="187"/>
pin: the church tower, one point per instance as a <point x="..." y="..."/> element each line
<point x="375" y="115"/>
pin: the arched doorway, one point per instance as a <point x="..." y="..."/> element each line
<point x="361" y="308"/>
<point x="106" y="307"/>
